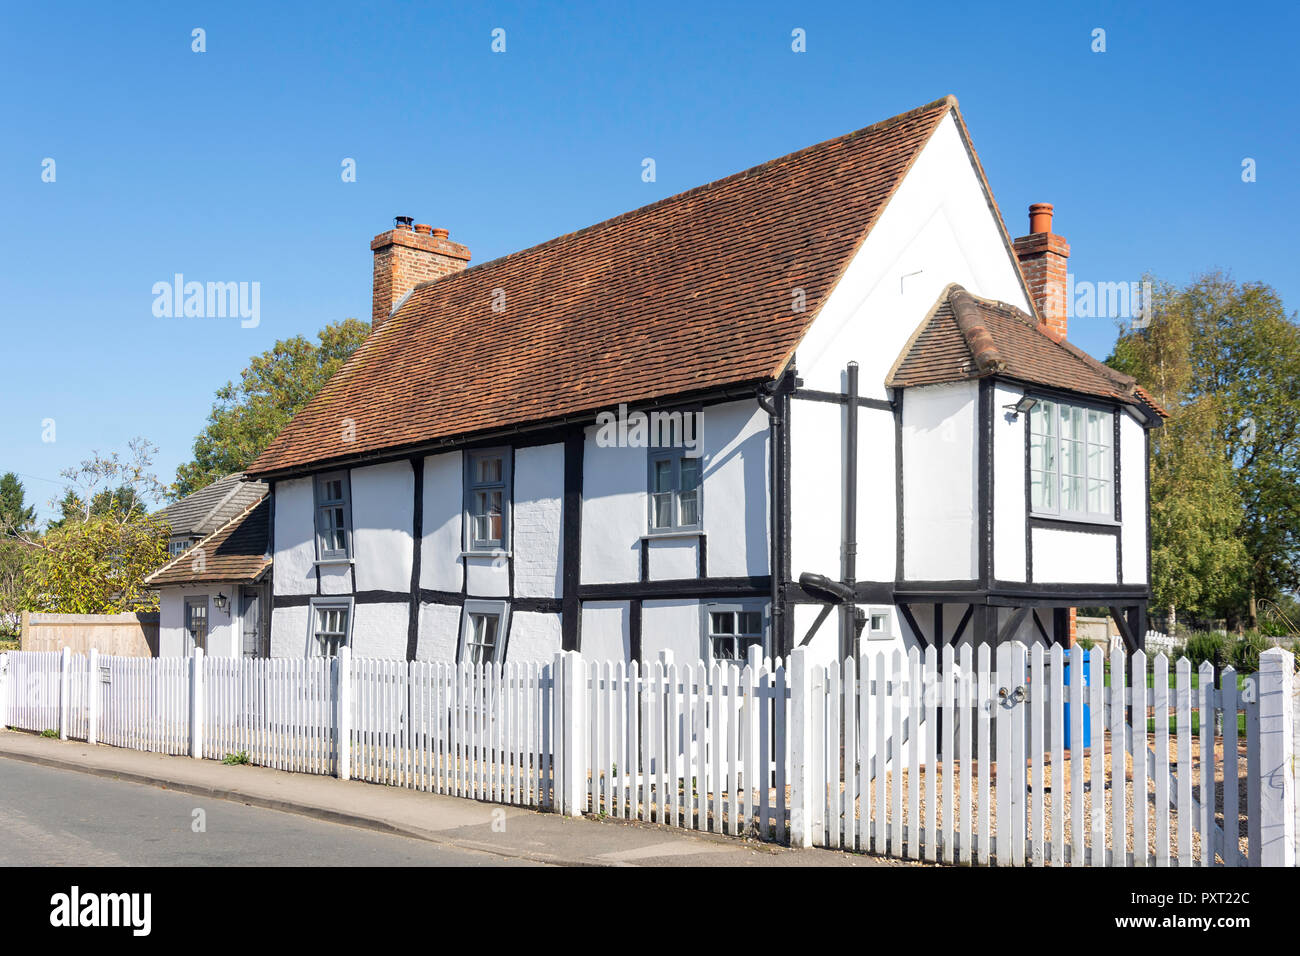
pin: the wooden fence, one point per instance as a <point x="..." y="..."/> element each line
<point x="970" y="756"/>
<point x="122" y="635"/>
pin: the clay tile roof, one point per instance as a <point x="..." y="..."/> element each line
<point x="966" y="337"/>
<point x="213" y="505"/>
<point x="237" y="551"/>
<point x="692" y="293"/>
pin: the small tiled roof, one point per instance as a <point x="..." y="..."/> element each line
<point x="693" y="293"/>
<point x="966" y="337"/>
<point x="212" y="506"/>
<point x="238" y="551"/>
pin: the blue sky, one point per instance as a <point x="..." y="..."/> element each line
<point x="225" y="165"/>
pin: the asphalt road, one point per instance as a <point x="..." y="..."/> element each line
<point x="54" y="817"/>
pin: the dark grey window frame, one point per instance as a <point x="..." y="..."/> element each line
<point x="314" y="646"/>
<point x="195" y="600"/>
<point x="500" y="609"/>
<point x="1060" y="513"/>
<point x="761" y="606"/>
<point x="472" y="485"/>
<point x="320" y="502"/>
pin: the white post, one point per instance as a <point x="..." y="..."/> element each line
<point x="343" y="713"/>
<point x="801" y="744"/>
<point x="1275" y="773"/>
<point x="92" y="697"/>
<point x="4" y="690"/>
<point x="573" y="769"/>
<point x="65" y="686"/>
<point x="196" y="704"/>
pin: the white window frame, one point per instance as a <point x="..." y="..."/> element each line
<point x="314" y="646"/>
<point x="473" y="486"/>
<point x="320" y="502"/>
<point x="178" y="546"/>
<point x="1056" y="444"/>
<point x="758" y="606"/>
<point x="474" y="608"/>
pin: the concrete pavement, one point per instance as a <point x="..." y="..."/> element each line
<point x="510" y="834"/>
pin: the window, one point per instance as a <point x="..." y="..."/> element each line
<point x="675" y="490"/>
<point x="877" y="627"/>
<point x="196" y="622"/>
<point x="483" y="632"/>
<point x="333" y="517"/>
<point x="330" y="622"/>
<point x="1071" y="461"/>
<point x="178" y="546"/>
<point x="731" y="630"/>
<point x="487" y="500"/>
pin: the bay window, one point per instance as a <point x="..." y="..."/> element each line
<point x="1071" y="461"/>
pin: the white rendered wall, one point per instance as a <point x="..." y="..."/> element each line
<point x="379" y="630"/>
<point x="671" y="625"/>
<point x="440" y="547"/>
<point x="289" y="631"/>
<point x="383" y="500"/>
<point x="614" y="516"/>
<point x="1008" y="486"/>
<point x="816" y="491"/>
<point x="295" y="537"/>
<point x="534" y="636"/>
<point x="439" y="632"/>
<point x="538" y="520"/>
<point x="605" y="631"/>
<point x="940" y="488"/>
<point x="1133" y="498"/>
<point x="736" y="476"/>
<point x="1073" y="557"/>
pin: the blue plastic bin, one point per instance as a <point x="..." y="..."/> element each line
<point x="1087" y="710"/>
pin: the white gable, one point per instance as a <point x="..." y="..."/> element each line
<point x="938" y="228"/>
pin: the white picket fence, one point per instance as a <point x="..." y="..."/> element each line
<point x="961" y="758"/>
<point x="698" y="746"/>
<point x="944" y="756"/>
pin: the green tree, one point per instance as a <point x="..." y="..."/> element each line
<point x="247" y="416"/>
<point x="1226" y="358"/>
<point x="95" y="558"/>
<point x="15" y="515"/>
<point x="16" y="519"/>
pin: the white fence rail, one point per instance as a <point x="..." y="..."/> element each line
<point x="945" y="756"/>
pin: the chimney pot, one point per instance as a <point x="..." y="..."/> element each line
<point x="403" y="222"/>
<point x="1044" y="262"/>
<point x="423" y="228"/>
<point x="440" y="233"/>
<point x="1040" y="218"/>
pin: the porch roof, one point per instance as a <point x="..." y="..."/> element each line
<point x="238" y="551"/>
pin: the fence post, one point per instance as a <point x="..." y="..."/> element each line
<point x="4" y="690"/>
<point x="65" y="696"/>
<point x="801" y="744"/>
<point x="1274" y="773"/>
<point x="343" y="713"/>
<point x="92" y="696"/>
<point x="573" y="770"/>
<point x="196" y="704"/>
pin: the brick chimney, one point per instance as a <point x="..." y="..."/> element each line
<point x="407" y="255"/>
<point x="1044" y="258"/>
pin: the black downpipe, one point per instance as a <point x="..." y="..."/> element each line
<point x="849" y="552"/>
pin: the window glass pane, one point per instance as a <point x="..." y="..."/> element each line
<point x="489" y="470"/>
<point x="690" y="474"/>
<point x="724" y="648"/>
<point x="661" y="510"/>
<point x="690" y="507"/>
<point x="724" y="622"/>
<point x="1072" y="423"/>
<point x="749" y="623"/>
<point x="1072" y="494"/>
<point x="662" y="476"/>
<point x="1098" y="432"/>
<point x="1099" y="497"/>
